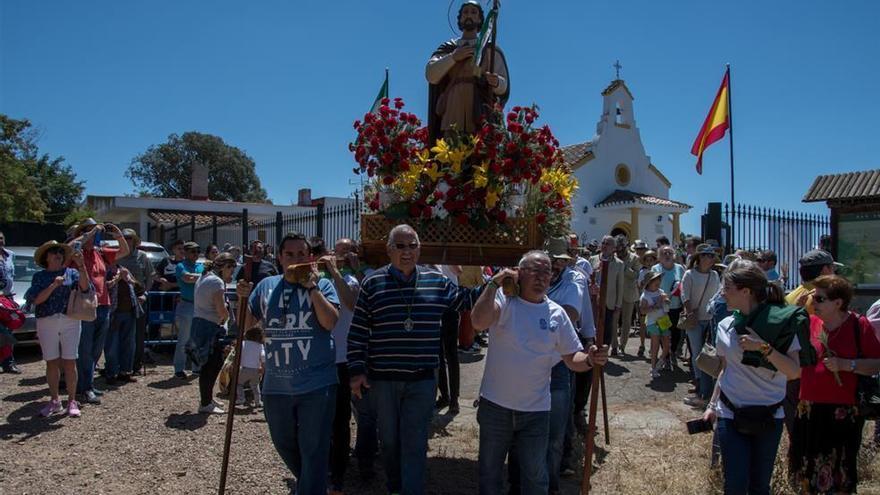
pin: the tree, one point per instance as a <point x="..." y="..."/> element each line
<point x="165" y="170"/>
<point x="33" y="186"/>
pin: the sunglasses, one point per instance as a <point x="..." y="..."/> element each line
<point x="401" y="246"/>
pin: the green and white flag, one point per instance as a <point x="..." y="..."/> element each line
<point x="383" y="93"/>
<point x="484" y="37"/>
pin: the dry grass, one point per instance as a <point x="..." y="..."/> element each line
<point x="673" y="462"/>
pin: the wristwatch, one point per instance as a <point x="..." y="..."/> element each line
<point x="852" y="365"/>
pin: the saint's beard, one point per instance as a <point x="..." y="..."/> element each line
<point x="468" y="25"/>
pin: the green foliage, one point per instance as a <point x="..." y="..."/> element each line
<point x="164" y="170"/>
<point x="33" y="186"/>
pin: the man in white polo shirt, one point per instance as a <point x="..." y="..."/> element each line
<point x="529" y="334"/>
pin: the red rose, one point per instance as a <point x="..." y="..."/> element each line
<point x="545" y="188"/>
<point x="517" y="109"/>
<point x="495" y="167"/>
<point x="540" y="218"/>
<point x="438" y="195"/>
<point x="384" y="101"/>
<point x="357" y="123"/>
<point x="388" y="180"/>
<point x="502" y="216"/>
<point x="427" y="212"/>
<point x="511" y="116"/>
<point x="404" y="165"/>
<point x="529" y="118"/>
<point x="374" y="204"/>
<point x="398" y="104"/>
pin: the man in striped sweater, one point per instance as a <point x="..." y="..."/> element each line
<point x="393" y="350"/>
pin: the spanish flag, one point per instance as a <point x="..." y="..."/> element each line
<point x="717" y="122"/>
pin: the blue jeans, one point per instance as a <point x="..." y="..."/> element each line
<point x="300" y="427"/>
<point x="500" y="429"/>
<point x="696" y="337"/>
<point x="747" y="460"/>
<point x="404" y="411"/>
<point x="119" y="346"/>
<point x="91" y="344"/>
<point x="183" y="316"/>
<point x="367" y="443"/>
<point x="560" y="415"/>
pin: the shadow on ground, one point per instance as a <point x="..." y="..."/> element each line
<point x="187" y="421"/>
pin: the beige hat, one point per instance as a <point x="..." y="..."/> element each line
<point x="43" y="251"/>
<point x="557" y="248"/>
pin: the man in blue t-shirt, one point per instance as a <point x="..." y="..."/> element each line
<point x="187" y="273"/>
<point x="299" y="386"/>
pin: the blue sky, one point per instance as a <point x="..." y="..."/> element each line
<point x="104" y="80"/>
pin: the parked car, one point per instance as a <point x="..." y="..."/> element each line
<point x="25" y="267"/>
<point x="155" y="252"/>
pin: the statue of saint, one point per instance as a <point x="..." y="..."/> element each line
<point x="459" y="92"/>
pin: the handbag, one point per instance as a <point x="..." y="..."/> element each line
<point x="691" y="319"/>
<point x="867" y="388"/>
<point x="708" y="361"/>
<point x="752" y="420"/>
<point x="82" y="306"/>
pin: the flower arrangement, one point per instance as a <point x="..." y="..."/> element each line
<point x="509" y="168"/>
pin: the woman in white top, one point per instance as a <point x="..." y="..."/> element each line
<point x="698" y="286"/>
<point x="209" y="313"/>
<point x="743" y="391"/>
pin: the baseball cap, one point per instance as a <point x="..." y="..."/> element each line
<point x="818" y="257"/>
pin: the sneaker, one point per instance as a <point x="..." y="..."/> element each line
<point x="73" y="409"/>
<point x="258" y="405"/>
<point x="453" y="407"/>
<point x="695" y="402"/>
<point x="12" y="368"/>
<point x="90" y="398"/>
<point x="614" y="352"/>
<point x="211" y="409"/>
<point x="180" y="374"/>
<point x="641" y="352"/>
<point x="51" y="407"/>
<point x="655" y="373"/>
<point x="196" y="374"/>
<point x="441" y="403"/>
<point x="97" y="391"/>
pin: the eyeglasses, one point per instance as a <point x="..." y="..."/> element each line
<point x="411" y="246"/>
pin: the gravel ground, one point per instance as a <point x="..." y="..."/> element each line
<point x="146" y="437"/>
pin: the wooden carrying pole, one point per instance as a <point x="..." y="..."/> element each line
<point x="241" y="314"/>
<point x="598" y="381"/>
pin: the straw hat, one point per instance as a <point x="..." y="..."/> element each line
<point x="648" y="253"/>
<point x="42" y="252"/>
<point x="650" y="277"/>
<point x="701" y="250"/>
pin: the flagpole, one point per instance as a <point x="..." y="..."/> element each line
<point x="730" y="130"/>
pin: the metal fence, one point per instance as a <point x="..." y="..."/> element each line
<point x="327" y="222"/>
<point x="789" y="234"/>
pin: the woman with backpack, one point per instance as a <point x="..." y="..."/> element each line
<point x="828" y="426"/>
<point x="759" y="346"/>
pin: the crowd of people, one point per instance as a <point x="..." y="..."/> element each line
<point x="326" y="337"/>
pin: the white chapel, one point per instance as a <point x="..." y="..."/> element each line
<point x="621" y="191"/>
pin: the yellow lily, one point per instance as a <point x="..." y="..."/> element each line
<point x="491" y="198"/>
<point x="424" y="156"/>
<point x="432" y="172"/>
<point x="442" y="151"/>
<point x="481" y="178"/>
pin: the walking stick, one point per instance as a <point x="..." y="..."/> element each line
<point x="604" y="408"/>
<point x="589" y="442"/>
<point x="241" y="313"/>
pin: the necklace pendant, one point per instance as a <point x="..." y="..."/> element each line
<point x="408" y="324"/>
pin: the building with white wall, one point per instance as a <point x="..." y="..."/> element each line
<point x="621" y="191"/>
